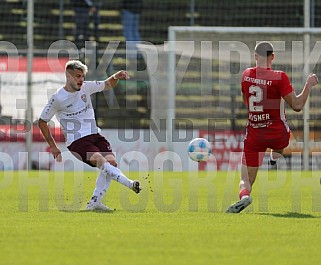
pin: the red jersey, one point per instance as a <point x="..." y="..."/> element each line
<point x="264" y="90"/>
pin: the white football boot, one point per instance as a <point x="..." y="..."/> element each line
<point x="95" y="205"/>
<point x="240" y="205"/>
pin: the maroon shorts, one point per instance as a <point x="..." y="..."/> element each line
<point x="258" y="140"/>
<point x="86" y="146"/>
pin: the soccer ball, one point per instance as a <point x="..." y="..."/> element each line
<point x="199" y="149"/>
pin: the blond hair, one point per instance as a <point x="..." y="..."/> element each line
<point x="76" y="65"/>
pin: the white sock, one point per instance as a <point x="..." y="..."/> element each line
<point x="102" y="185"/>
<point x="271" y="158"/>
<point x="113" y="172"/>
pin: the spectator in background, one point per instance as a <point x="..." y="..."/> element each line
<point x="82" y="9"/>
<point x="131" y="11"/>
<point x="96" y="17"/>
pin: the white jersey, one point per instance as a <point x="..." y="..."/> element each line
<point x="74" y="110"/>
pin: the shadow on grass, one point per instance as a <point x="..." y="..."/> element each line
<point x="291" y="215"/>
<point x="86" y="211"/>
<point x="119" y="210"/>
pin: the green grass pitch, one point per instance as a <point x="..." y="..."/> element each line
<point x="179" y="218"/>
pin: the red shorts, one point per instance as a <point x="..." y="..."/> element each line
<point x="86" y="146"/>
<point x="258" y="140"/>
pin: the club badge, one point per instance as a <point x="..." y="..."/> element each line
<point x="84" y="98"/>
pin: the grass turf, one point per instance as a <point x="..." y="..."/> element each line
<point x="179" y="218"/>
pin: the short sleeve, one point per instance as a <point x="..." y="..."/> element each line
<point x="243" y="87"/>
<point x="93" y="86"/>
<point x="285" y="86"/>
<point x="49" y="110"/>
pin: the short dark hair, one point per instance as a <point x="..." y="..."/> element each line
<point x="264" y="48"/>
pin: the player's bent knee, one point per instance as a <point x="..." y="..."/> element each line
<point x="111" y="160"/>
<point x="113" y="163"/>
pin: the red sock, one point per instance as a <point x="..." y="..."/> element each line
<point x="244" y="192"/>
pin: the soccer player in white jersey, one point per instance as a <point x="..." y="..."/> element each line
<point x="73" y="108"/>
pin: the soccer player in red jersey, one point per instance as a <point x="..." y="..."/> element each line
<point x="264" y="91"/>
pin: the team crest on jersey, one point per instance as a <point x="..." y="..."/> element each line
<point x="84" y="98"/>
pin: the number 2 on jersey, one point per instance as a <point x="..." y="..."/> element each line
<point x="256" y="97"/>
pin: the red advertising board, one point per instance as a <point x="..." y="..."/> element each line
<point x="39" y="64"/>
<point x="226" y="149"/>
<point x="18" y="133"/>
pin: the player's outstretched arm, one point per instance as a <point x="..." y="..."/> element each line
<point x="112" y="81"/>
<point x="297" y="102"/>
<point x="44" y="128"/>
